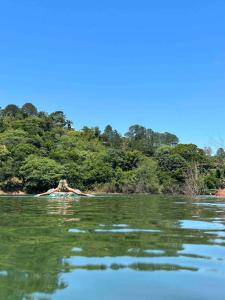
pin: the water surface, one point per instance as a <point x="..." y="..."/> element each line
<point x="120" y="247"/>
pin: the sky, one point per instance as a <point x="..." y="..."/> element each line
<point x="160" y="64"/>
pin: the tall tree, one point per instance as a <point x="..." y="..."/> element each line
<point x="220" y="153"/>
<point x="28" y="109"/>
<point x="58" y="118"/>
<point x="11" y="110"/>
<point x="136" y="132"/>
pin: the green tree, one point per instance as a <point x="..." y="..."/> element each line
<point x="58" y="118"/>
<point x="169" y="139"/>
<point x="11" y="110"/>
<point x="142" y="179"/>
<point x="40" y="173"/>
<point x="162" y="150"/>
<point x="136" y="132"/>
<point x="190" y="152"/>
<point x="28" y="109"/>
<point x="126" y="160"/>
<point x="173" y="164"/>
<point x="220" y="156"/>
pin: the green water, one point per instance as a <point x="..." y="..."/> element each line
<point x="120" y="247"/>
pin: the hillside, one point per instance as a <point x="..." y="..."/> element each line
<point x="37" y="149"/>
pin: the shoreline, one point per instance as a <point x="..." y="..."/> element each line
<point x="21" y="193"/>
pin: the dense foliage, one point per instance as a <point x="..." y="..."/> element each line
<point x="37" y="149"/>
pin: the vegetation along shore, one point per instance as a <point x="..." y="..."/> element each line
<point x="37" y="149"/>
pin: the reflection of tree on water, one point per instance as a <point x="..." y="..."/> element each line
<point x="19" y="285"/>
<point x="33" y="244"/>
<point x="38" y="242"/>
<point x="140" y="214"/>
<point x="159" y="213"/>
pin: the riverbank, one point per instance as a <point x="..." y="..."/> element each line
<point x="21" y="193"/>
<point x="99" y="192"/>
<point x="18" y="193"/>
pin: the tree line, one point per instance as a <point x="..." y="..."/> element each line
<point x="37" y="149"/>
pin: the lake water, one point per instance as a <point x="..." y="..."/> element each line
<point x="120" y="247"/>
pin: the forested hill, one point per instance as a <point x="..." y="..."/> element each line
<point x="37" y="149"/>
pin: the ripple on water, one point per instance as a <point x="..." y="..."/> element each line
<point x="160" y="249"/>
<point x="76" y="230"/>
<point x="201" y="225"/>
<point x="218" y="204"/>
<point x="3" y="273"/>
<point x="154" y="251"/>
<point x="126" y="230"/>
<point x="210" y="251"/>
<point x="147" y="251"/>
<point x="114" y="225"/>
<point x="76" y="249"/>
<point x="118" y="230"/>
<point x="190" y="258"/>
<point x="217" y="241"/>
<point x="217" y="233"/>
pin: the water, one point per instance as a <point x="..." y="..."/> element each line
<point x="120" y="247"/>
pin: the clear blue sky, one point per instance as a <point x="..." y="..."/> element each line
<point x="156" y="63"/>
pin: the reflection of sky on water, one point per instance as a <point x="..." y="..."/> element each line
<point x="217" y="233"/>
<point x="127" y="230"/>
<point x="76" y="249"/>
<point x="114" y="225"/>
<point x="119" y="230"/>
<point x="76" y="230"/>
<point x="218" y="204"/>
<point x="217" y="241"/>
<point x="188" y="258"/>
<point x="148" y="251"/>
<point x="127" y="284"/>
<point x="3" y="273"/>
<point x="154" y="251"/>
<point x="211" y="251"/>
<point x="201" y="225"/>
